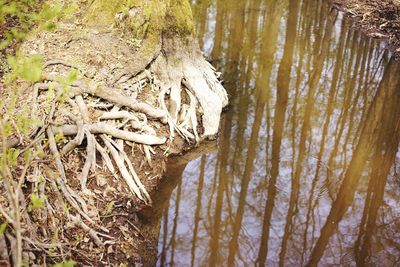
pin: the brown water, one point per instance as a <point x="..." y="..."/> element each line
<point x="306" y="167"/>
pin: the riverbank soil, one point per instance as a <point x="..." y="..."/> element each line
<point x="377" y="18"/>
<point x="123" y="86"/>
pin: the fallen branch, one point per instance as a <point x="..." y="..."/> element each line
<point x="92" y="233"/>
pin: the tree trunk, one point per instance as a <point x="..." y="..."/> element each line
<point x="165" y="31"/>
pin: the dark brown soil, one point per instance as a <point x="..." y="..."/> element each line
<point x="377" y="18"/>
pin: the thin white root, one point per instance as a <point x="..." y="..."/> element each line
<point x="192" y="114"/>
<point x="122" y="168"/>
<point x="147" y="154"/>
<point x="172" y="125"/>
<point x="90" y="159"/>
<point x="182" y="114"/>
<point x="105" y="157"/>
<point x="61" y="180"/>
<point x="169" y="119"/>
<point x="82" y="108"/>
<point x="77" y="141"/>
<point x="112" y="95"/>
<point x="134" y="121"/>
<point x="92" y="233"/>
<point x="136" y="179"/>
<point x="104" y="128"/>
<point x="119" y="144"/>
<point x="175" y="102"/>
<point x="189" y="118"/>
<point x="196" y="79"/>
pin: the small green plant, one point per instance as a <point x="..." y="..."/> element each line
<point x="66" y="263"/>
<point x="36" y="202"/>
<point x="18" y="18"/>
<point x="3" y="228"/>
<point x="26" y="14"/>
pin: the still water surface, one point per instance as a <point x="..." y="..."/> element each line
<point x="305" y="171"/>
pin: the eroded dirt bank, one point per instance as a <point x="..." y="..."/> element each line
<point x="377" y="18"/>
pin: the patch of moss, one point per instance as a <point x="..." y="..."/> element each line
<point x="179" y="18"/>
<point x="145" y="20"/>
<point x="103" y="12"/>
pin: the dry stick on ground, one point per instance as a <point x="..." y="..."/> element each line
<point x="93" y="234"/>
<point x="66" y="64"/>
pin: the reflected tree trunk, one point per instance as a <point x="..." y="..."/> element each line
<point x="200" y="15"/>
<point x="198" y="207"/>
<point x="175" y="222"/>
<point x="370" y="134"/>
<point x="268" y="48"/>
<point x="284" y="79"/>
<point x="251" y="154"/>
<point x="222" y="177"/>
<point x="219" y="30"/>
<point x="315" y="77"/>
<point x="329" y="110"/>
<point x="163" y="256"/>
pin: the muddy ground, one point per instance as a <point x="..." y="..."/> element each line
<point x="378" y="19"/>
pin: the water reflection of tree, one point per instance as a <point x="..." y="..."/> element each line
<point x="325" y="83"/>
<point x="381" y="132"/>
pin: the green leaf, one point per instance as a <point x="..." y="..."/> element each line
<point x="10" y="9"/>
<point x="36" y="201"/>
<point x="12" y="156"/>
<point x="41" y="154"/>
<point x="49" y="26"/>
<point x="26" y="68"/>
<point x="66" y="263"/>
<point x="31" y="68"/>
<point x="72" y="76"/>
<point x="27" y="155"/>
<point x="110" y="207"/>
<point x="59" y="138"/>
<point x="3" y="228"/>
